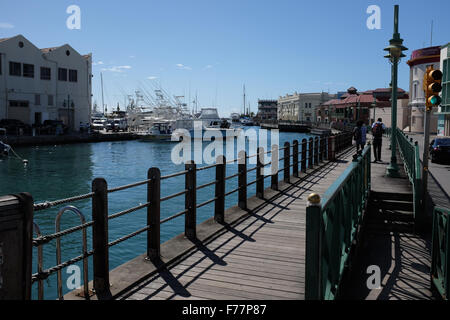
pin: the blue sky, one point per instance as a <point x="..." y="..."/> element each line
<point x="215" y="47"/>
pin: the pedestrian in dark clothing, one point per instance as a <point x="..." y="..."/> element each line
<point x="378" y="128"/>
<point x="359" y="135"/>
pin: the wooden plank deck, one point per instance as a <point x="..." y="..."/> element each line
<point x="262" y="257"/>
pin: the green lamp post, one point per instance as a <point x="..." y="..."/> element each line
<point x="395" y="50"/>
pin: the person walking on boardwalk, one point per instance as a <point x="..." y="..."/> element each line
<point x="359" y="135"/>
<point x="378" y="128"/>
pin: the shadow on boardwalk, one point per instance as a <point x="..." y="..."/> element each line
<point x="261" y="257"/>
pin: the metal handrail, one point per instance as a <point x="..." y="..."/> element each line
<point x="58" y="249"/>
<point x="331" y="227"/>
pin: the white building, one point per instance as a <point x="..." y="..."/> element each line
<point x="420" y="60"/>
<point x="44" y="84"/>
<point x="301" y="106"/>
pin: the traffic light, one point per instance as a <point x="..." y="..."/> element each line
<point x="432" y="86"/>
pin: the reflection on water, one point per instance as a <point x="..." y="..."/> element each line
<point x="57" y="172"/>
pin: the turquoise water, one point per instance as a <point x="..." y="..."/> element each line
<point x="57" y="172"/>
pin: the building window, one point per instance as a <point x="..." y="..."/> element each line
<point x="62" y="74"/>
<point x="28" y="70"/>
<point x="50" y="100"/>
<point x="415" y="91"/>
<point x="37" y="99"/>
<point x="46" y="73"/>
<point x="15" y="69"/>
<point x="73" y="75"/>
<point x="19" y="104"/>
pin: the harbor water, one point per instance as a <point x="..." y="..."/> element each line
<point x="62" y="171"/>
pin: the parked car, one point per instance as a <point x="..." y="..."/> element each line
<point x="109" y="125"/>
<point x="440" y="150"/>
<point x="98" y="125"/>
<point x="120" y="125"/>
<point x="53" y="127"/>
<point x="14" y="126"/>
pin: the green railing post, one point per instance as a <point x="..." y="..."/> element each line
<point x="313" y="271"/>
<point x="440" y="251"/>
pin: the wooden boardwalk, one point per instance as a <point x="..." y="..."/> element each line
<point x="260" y="257"/>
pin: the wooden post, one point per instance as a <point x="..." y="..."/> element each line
<point x="100" y="238"/>
<point x="313" y="257"/>
<point x="154" y="214"/>
<point x="295" y="159"/>
<point x="191" y="201"/>
<point x="242" y="179"/>
<point x="331" y="148"/>
<point x="274" y="167"/>
<point x="259" y="174"/>
<point x="321" y="148"/>
<point x="219" y="205"/>
<point x="304" y="155"/>
<point x="311" y="153"/>
<point x="316" y="151"/>
<point x="287" y="161"/>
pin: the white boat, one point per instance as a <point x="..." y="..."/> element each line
<point x="160" y="131"/>
<point x="207" y="120"/>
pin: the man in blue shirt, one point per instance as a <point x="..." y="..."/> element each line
<point x="359" y="134"/>
<point x="378" y="128"/>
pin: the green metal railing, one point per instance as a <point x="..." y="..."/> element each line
<point x="409" y="152"/>
<point x="440" y="264"/>
<point x="332" y="227"/>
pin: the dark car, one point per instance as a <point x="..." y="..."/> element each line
<point x="14" y="126"/>
<point x="440" y="150"/>
<point x="53" y="127"/>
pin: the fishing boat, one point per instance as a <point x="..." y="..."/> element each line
<point x="207" y="121"/>
<point x="160" y="131"/>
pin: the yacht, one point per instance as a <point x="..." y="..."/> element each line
<point x="160" y="131"/>
<point x="208" y="120"/>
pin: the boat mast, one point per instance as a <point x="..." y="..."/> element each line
<point x="244" y="99"/>
<point x="103" y="100"/>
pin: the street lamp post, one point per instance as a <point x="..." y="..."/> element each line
<point x="395" y="50"/>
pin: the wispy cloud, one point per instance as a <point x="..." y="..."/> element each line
<point x="132" y="57"/>
<point x="117" y="68"/>
<point x="99" y="63"/>
<point x="6" y="25"/>
<point x="209" y="66"/>
<point x="183" y="67"/>
<point x="152" y="78"/>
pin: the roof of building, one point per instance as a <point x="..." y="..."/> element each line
<point x="44" y="50"/>
<point x="367" y="97"/>
<point x="47" y="50"/>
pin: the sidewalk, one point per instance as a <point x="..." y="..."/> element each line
<point x="439" y="176"/>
